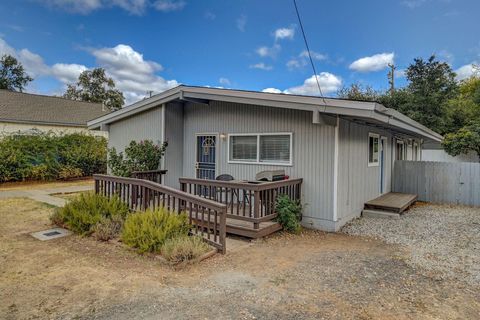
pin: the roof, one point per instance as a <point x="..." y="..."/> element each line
<point x="20" y="107"/>
<point x="370" y="112"/>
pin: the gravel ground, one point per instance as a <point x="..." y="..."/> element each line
<point x="443" y="240"/>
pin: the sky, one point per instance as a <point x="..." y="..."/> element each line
<point x="153" y="45"/>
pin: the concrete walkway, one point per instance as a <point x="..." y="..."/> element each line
<point x="45" y="195"/>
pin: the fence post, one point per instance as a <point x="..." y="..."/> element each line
<point x="256" y="208"/>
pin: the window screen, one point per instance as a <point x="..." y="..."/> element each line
<point x="275" y="148"/>
<point x="372" y="149"/>
<point x="243" y="148"/>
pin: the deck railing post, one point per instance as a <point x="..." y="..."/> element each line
<point x="256" y="208"/>
<point x="223" y="230"/>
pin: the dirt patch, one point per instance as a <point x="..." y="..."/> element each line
<point x="68" y="196"/>
<point x="313" y="275"/>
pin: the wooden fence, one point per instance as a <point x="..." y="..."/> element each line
<point x="253" y="202"/>
<point x="440" y="182"/>
<point x="207" y="217"/>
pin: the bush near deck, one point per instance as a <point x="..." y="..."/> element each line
<point x="47" y="156"/>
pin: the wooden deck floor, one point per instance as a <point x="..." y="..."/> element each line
<point x="392" y="202"/>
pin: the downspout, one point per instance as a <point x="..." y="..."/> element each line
<point x="335" y="171"/>
<point x="163" y="162"/>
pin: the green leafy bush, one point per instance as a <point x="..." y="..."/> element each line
<point x="185" y="248"/>
<point x="147" y="231"/>
<point x="138" y="156"/>
<point x="289" y="213"/>
<point x="83" y="213"/>
<point x="46" y="156"/>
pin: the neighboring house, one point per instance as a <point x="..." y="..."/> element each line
<point x="434" y="152"/>
<point x="24" y="113"/>
<point x="344" y="151"/>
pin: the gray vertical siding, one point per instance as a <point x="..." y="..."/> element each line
<point x="441" y="182"/>
<point x="357" y="182"/>
<point x="173" y="161"/>
<point x="313" y="148"/>
<point x="146" y="125"/>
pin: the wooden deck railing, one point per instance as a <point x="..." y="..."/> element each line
<point x="254" y="202"/>
<point x="150" y="175"/>
<point x="207" y="217"/>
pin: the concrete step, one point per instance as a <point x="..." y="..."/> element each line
<point x="379" y="214"/>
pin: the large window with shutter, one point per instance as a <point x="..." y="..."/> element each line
<point x="263" y="148"/>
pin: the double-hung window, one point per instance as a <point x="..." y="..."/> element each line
<point x="373" y="145"/>
<point x="263" y="148"/>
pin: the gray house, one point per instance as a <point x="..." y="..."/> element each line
<point x="344" y="150"/>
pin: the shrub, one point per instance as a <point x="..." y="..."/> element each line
<point x="147" y="231"/>
<point x="47" y="156"/>
<point x="81" y="214"/>
<point x="185" y="248"/>
<point x="289" y="213"/>
<point x="138" y="156"/>
<point x="108" y="228"/>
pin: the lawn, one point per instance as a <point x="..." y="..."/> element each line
<point x="312" y="275"/>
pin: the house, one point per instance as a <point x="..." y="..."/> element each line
<point x="344" y="150"/>
<point x="434" y="152"/>
<point x="26" y="113"/>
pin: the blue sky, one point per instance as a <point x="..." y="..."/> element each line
<point x="255" y="45"/>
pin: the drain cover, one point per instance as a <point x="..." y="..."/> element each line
<point x="50" y="234"/>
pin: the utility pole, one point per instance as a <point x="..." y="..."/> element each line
<point x="391" y="77"/>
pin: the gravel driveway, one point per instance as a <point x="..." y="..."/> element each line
<point x="443" y="240"/>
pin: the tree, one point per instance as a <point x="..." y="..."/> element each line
<point x="12" y="74"/>
<point x="95" y="86"/>
<point x="432" y="84"/>
<point x="358" y="92"/>
<point x="465" y="107"/>
<point x="464" y="140"/>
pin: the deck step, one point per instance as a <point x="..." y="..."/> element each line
<point x="379" y="214"/>
<point x="394" y="202"/>
<point x="245" y="229"/>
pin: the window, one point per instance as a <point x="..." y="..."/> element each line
<point x="415" y="152"/>
<point x="243" y="148"/>
<point x="267" y="148"/>
<point x="373" y="149"/>
<point x="399" y="150"/>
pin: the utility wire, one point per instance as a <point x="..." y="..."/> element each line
<point x="308" y="51"/>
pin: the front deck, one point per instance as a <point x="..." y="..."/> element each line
<point x="394" y="202"/>
<point x="250" y="205"/>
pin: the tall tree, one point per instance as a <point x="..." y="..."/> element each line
<point x="431" y="83"/>
<point x="358" y="92"/>
<point x="464" y="140"/>
<point x="95" y="86"/>
<point x="12" y="74"/>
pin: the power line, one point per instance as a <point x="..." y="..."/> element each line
<point x="308" y="51"/>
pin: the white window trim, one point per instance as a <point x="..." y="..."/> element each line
<point x="374" y="135"/>
<point x="257" y="161"/>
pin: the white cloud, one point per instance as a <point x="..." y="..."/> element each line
<point x="412" y="4"/>
<point x="376" y="62"/>
<point x="133" y="75"/>
<point x="169" y="5"/>
<point x="315" y="55"/>
<point x="302" y="59"/>
<point x="272" y="90"/>
<point x="67" y="73"/>
<point x="400" y="73"/>
<point x="261" y="66"/>
<point x="242" y="22"/>
<point x="328" y="83"/>
<point x="224" y="81"/>
<point x="284" y="33"/>
<point x="466" y="71"/>
<point x="271" y="52"/>
<point x="136" y="7"/>
<point x="209" y="15"/>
